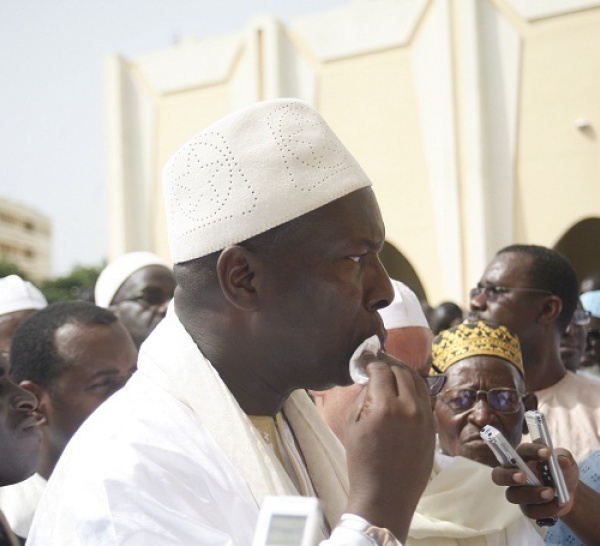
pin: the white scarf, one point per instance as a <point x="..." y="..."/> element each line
<point x="172" y="359"/>
<point x="461" y="506"/>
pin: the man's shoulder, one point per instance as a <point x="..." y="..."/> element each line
<point x="583" y="387"/>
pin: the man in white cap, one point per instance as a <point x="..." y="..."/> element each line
<point x="18" y="300"/>
<point x="275" y="235"/>
<point x="137" y="287"/>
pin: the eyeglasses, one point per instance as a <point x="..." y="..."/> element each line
<point x="435" y="383"/>
<point x="501" y="400"/>
<point x="581" y="317"/>
<point x="149" y="297"/>
<point x="492" y="293"/>
<point x="593" y="338"/>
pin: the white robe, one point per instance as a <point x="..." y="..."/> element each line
<point x="461" y="506"/>
<point x="19" y="501"/>
<point x="144" y="469"/>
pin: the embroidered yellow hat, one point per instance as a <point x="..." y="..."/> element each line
<point x="474" y="339"/>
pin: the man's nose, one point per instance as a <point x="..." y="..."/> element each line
<point x="381" y="292"/>
<point x="478" y="302"/>
<point x="481" y="413"/>
<point x="162" y="308"/>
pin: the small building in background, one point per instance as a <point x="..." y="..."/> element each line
<point x="26" y="239"/>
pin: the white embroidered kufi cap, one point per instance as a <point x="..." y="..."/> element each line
<point x="251" y="171"/>
<point x="404" y="311"/>
<point x="19" y="295"/>
<point x="118" y="271"/>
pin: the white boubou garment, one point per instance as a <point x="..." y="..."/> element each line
<point x="461" y="506"/>
<point x="172" y="459"/>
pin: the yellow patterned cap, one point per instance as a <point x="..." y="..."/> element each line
<point x="474" y="339"/>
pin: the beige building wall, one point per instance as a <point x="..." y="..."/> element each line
<point x="475" y="119"/>
<point x="26" y="239"/>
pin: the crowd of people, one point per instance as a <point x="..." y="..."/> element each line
<point x="167" y="410"/>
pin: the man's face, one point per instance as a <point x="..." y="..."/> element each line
<point x="411" y="345"/>
<point x="8" y="326"/>
<point x="19" y="435"/>
<point x="142" y="301"/>
<point x="458" y="431"/>
<point x="320" y="295"/>
<point x="99" y="361"/>
<point x="591" y="355"/>
<point x="517" y="310"/>
<point x="573" y="345"/>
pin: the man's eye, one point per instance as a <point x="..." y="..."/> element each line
<point x="101" y="385"/>
<point x="357" y="259"/>
<point x="497" y="289"/>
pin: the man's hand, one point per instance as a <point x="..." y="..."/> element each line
<point x="538" y="502"/>
<point x="390" y="442"/>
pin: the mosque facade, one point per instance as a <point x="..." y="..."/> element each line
<point x="477" y="121"/>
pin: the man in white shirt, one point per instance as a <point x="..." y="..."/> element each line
<point x="532" y="290"/>
<point x="275" y="234"/>
<point x="72" y="356"/>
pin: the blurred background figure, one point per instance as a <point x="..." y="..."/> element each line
<point x="591" y="357"/>
<point x="19" y="299"/>
<point x="444" y="316"/>
<point x="573" y="343"/>
<point x="72" y="356"/>
<point x="19" y="440"/>
<point x="137" y="287"/>
<point x="590" y="282"/>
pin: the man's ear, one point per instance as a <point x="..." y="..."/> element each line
<point x="236" y="274"/>
<point x="551" y="310"/>
<point x="39" y="413"/>
<point x="530" y="402"/>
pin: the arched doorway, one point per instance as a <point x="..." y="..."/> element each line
<point x="398" y="267"/>
<point x="581" y="245"/>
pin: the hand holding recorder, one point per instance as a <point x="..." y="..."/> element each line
<point x="548" y="468"/>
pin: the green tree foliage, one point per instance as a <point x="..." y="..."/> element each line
<point x="77" y="285"/>
<point x="8" y="268"/>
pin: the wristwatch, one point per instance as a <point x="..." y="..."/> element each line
<point x="380" y="536"/>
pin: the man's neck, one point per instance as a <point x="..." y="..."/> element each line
<point x="543" y="367"/>
<point x="48" y="460"/>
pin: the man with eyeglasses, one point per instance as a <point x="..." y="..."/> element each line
<point x="137" y="287"/>
<point x="533" y="291"/>
<point x="574" y="342"/>
<point x="485" y="386"/>
<point x="591" y="357"/>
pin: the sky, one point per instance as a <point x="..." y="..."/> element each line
<point x="52" y="155"/>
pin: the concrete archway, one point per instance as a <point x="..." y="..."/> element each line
<point x="581" y="245"/>
<point x="398" y="267"/>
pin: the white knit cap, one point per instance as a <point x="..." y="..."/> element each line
<point x="118" y="271"/>
<point x="404" y="311"/>
<point x="18" y="295"/>
<point x="251" y="171"/>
